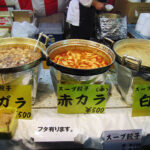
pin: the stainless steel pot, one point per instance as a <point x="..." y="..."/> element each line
<point x="73" y="44"/>
<point x="65" y="75"/>
<point x="132" y="62"/>
<point x="25" y="42"/>
<point x="63" y="78"/>
<point x="130" y="69"/>
<point x="26" y="74"/>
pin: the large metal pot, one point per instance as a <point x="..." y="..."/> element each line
<point x="65" y="75"/>
<point x="16" y="41"/>
<point x="26" y="74"/>
<point x="73" y="44"/>
<point x="131" y="67"/>
<point x="132" y="62"/>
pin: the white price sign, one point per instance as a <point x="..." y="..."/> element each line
<point x="54" y="129"/>
<point x="122" y="139"/>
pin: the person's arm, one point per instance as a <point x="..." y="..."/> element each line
<point x="98" y="5"/>
<point x="87" y="3"/>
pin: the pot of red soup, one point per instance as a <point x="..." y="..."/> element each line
<point x="79" y="61"/>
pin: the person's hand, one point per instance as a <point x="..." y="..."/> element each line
<point x="98" y="5"/>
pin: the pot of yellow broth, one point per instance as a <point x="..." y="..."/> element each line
<point x="133" y="65"/>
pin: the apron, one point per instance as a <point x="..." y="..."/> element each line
<point x="87" y="21"/>
<point x="86" y="29"/>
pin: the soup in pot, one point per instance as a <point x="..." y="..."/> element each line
<point x="80" y="59"/>
<point x="17" y="56"/>
<point x="140" y="50"/>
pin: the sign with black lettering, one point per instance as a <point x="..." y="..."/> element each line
<point x="141" y="100"/>
<point x="81" y="98"/>
<point x="122" y="139"/>
<point x="54" y="129"/>
<point x="17" y="96"/>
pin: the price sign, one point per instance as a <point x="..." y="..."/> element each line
<point x="81" y="98"/>
<point x="141" y="100"/>
<point x="123" y="139"/>
<point x="17" y="96"/>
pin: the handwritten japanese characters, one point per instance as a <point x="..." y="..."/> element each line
<point x="4" y="101"/>
<point x="123" y="136"/>
<point x="123" y="139"/>
<point x="141" y="100"/>
<point x="17" y="96"/>
<point x="55" y="129"/>
<point x="82" y="98"/>
<point x="5" y="88"/>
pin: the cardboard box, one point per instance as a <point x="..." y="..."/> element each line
<point x="23" y="15"/>
<point x="6" y="19"/>
<point x="131" y="10"/>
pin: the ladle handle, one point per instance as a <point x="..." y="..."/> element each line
<point x="45" y="36"/>
<point x="46" y="42"/>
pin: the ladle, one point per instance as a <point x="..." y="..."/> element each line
<point x="46" y="41"/>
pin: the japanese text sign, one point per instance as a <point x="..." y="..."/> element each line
<point x="122" y="139"/>
<point x="81" y="98"/>
<point x="141" y="100"/>
<point x="17" y="96"/>
<point x="54" y="129"/>
<point x="5" y="21"/>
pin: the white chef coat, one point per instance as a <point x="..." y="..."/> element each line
<point x="73" y="14"/>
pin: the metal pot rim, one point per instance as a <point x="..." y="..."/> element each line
<point x="111" y="15"/>
<point x="20" y="68"/>
<point x="129" y="64"/>
<point x="26" y="66"/>
<point x="80" y="72"/>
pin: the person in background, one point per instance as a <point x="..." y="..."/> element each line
<point x="81" y="17"/>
